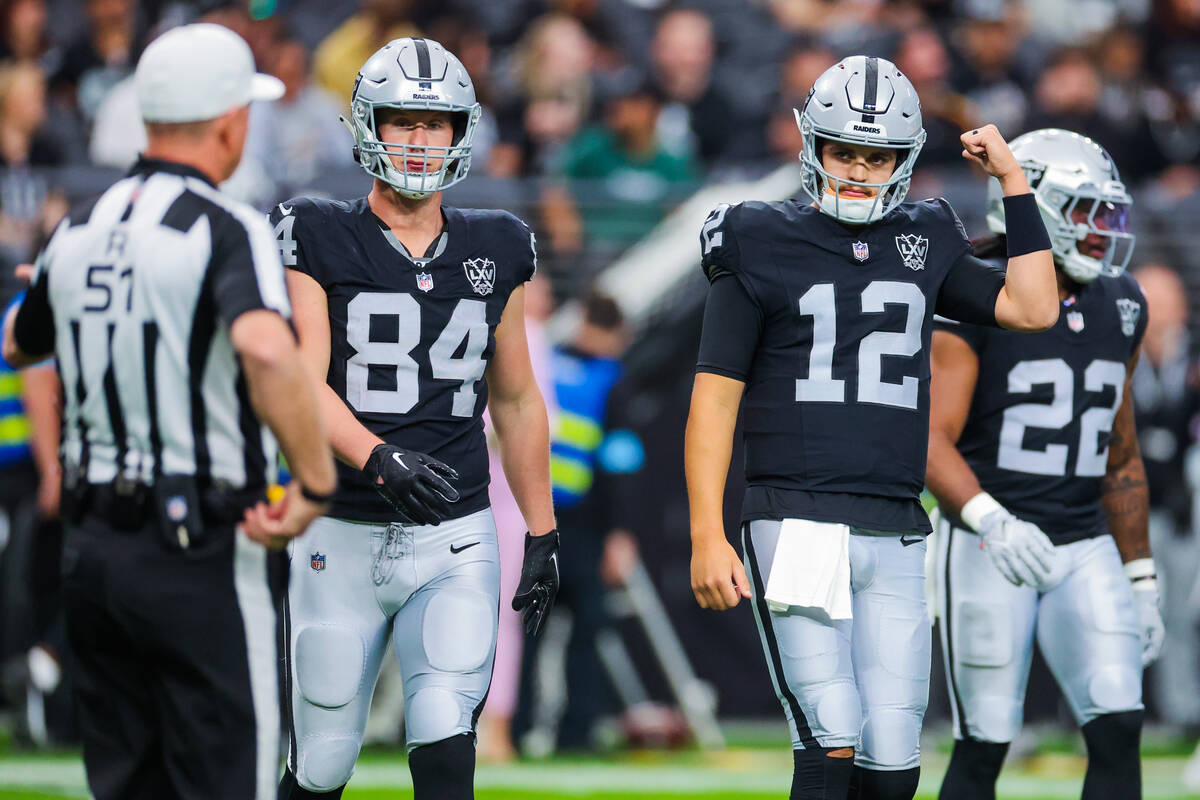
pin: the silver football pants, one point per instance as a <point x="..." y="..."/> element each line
<point x="862" y="682"/>
<point x="1084" y="619"/>
<point x="432" y="591"/>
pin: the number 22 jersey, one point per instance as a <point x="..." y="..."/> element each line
<point x="1041" y="417"/>
<point x="829" y="327"/>
<point x="410" y="337"/>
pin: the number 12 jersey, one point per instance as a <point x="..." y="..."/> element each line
<point x="829" y="327"/>
<point x="410" y="337"/>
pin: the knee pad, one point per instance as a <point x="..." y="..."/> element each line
<point x="891" y="739"/>
<point x="872" y="784"/>
<point x="994" y="717"/>
<point x="458" y="631"/>
<point x="1114" y="689"/>
<point x="435" y="713"/>
<point x="444" y="770"/>
<point x="329" y="662"/>
<point x="290" y="789"/>
<point x="325" y="763"/>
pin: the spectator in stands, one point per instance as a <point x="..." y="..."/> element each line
<point x="629" y="178"/>
<point x="29" y="208"/>
<point x="23" y="34"/>
<point x="342" y="52"/>
<point x="695" y="120"/>
<point x="547" y="96"/>
<point x="1140" y="110"/>
<point x="1068" y="96"/>
<point x="805" y="61"/>
<point x="987" y="71"/>
<point x="1171" y="42"/>
<point x="101" y="57"/>
<point x="299" y="134"/>
<point x="1166" y="399"/>
<point x="922" y="56"/>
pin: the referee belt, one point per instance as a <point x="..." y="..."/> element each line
<point x="130" y="506"/>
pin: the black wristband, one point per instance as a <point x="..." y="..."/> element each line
<point x="313" y="497"/>
<point x="1023" y="225"/>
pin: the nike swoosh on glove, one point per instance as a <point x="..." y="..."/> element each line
<point x="1019" y="549"/>
<point x="539" y="581"/>
<point x="413" y="483"/>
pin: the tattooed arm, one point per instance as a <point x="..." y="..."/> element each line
<point x="1123" y="489"/>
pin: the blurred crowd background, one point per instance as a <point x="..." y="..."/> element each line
<point x="599" y="118"/>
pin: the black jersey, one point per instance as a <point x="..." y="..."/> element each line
<point x="836" y="409"/>
<point x="410" y="338"/>
<point x="1041" y="417"/>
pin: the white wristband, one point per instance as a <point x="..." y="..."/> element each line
<point x="978" y="507"/>
<point x="1140" y="568"/>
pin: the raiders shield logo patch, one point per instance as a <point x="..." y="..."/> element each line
<point x="861" y="251"/>
<point x="481" y="272"/>
<point x="1129" y="310"/>
<point x="913" y="249"/>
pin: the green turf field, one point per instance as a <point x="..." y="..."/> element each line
<point x="740" y="773"/>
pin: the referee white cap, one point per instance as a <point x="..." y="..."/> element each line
<point x="198" y="72"/>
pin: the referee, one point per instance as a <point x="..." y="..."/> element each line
<point x="165" y="307"/>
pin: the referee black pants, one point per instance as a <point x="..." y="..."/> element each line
<point x="175" y="663"/>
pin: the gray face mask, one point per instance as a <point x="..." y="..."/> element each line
<point x="415" y="75"/>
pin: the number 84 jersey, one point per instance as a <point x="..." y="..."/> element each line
<point x="836" y="406"/>
<point x="1038" y="431"/>
<point x="410" y="338"/>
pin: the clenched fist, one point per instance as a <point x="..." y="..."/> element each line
<point x="987" y="148"/>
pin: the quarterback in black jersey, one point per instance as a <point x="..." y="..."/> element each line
<point x="412" y="315"/>
<point x="1033" y="455"/>
<point x="818" y="321"/>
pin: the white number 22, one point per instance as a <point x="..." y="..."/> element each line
<point x="1094" y="423"/>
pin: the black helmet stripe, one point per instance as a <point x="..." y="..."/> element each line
<point x="424" y="71"/>
<point x="871" y="90"/>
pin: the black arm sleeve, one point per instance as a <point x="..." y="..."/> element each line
<point x="970" y="290"/>
<point x="245" y="273"/>
<point x="33" y="329"/>
<point x="732" y="326"/>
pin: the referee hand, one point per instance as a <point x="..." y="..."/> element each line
<point x="273" y="524"/>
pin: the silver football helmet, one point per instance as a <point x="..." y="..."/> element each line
<point x="861" y="100"/>
<point x="419" y="75"/>
<point x="1081" y="197"/>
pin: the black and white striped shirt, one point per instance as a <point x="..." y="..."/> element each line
<point x="136" y="297"/>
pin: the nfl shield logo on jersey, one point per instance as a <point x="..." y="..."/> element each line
<point x="1129" y="311"/>
<point x="424" y="281"/>
<point x="481" y="272"/>
<point x="1075" y="321"/>
<point x="317" y="561"/>
<point x="913" y="248"/>
<point x="860" y="251"/>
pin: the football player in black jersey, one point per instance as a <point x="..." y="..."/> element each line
<point x="412" y="314"/>
<point x="1034" y="460"/>
<point x="820" y="314"/>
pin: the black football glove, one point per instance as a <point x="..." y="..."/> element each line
<point x="539" y="581"/>
<point x="413" y="483"/>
